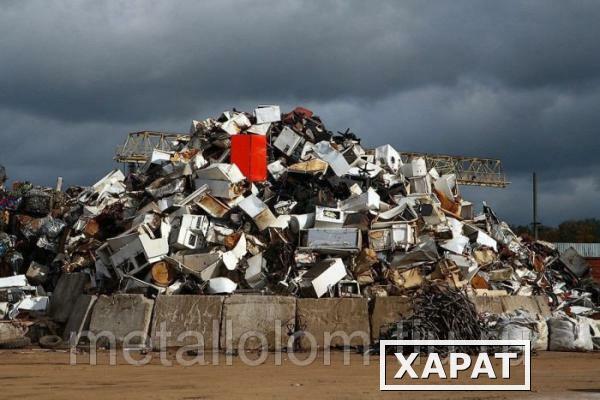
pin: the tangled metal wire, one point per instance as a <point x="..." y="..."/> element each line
<point x="441" y="313"/>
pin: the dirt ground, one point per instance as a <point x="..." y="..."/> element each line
<point x="37" y="373"/>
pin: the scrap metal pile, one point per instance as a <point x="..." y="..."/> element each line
<point x="266" y="202"/>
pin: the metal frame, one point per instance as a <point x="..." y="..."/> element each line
<point x="473" y="171"/>
<point x="139" y="145"/>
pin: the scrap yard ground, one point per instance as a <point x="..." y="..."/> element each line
<point x="34" y="373"/>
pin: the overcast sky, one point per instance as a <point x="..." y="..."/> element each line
<point x="515" y="80"/>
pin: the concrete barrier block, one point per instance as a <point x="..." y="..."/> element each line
<point x="198" y="316"/>
<point x="245" y="315"/>
<point x="487" y="304"/>
<point x="67" y="290"/>
<point x="512" y="303"/>
<point x="121" y="315"/>
<point x="387" y="310"/>
<point x="542" y="303"/>
<point x="79" y="320"/>
<point x="333" y="322"/>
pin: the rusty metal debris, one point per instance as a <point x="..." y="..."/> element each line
<point x="270" y="203"/>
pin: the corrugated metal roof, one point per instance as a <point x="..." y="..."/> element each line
<point x="586" y="250"/>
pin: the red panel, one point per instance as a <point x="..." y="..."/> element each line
<point x="240" y="148"/>
<point x="249" y="153"/>
<point x="594" y="264"/>
<point x="258" y="160"/>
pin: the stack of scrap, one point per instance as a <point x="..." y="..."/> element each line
<point x="269" y="203"/>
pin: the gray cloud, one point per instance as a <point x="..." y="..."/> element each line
<point x="514" y="80"/>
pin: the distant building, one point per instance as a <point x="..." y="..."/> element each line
<point x="589" y="251"/>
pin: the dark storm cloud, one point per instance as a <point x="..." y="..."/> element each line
<point x="514" y="80"/>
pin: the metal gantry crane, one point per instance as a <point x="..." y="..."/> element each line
<point x="472" y="171"/>
<point x="138" y="146"/>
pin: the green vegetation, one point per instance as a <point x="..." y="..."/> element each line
<point x="579" y="231"/>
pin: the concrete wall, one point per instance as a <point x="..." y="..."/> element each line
<point x="334" y="322"/>
<point x="542" y="303"/>
<point x="528" y="303"/>
<point x="224" y="322"/>
<point x="488" y="304"/>
<point x="187" y="320"/>
<point x="264" y="315"/>
<point x="387" y="310"/>
<point x="120" y="315"/>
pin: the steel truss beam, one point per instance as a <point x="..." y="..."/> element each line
<point x="139" y="145"/>
<point x="474" y="171"/>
